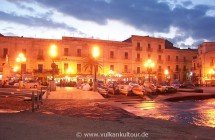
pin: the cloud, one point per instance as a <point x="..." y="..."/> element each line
<point x="146" y="15"/>
<point x="33" y="21"/>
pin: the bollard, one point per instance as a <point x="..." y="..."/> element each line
<point x="33" y="101"/>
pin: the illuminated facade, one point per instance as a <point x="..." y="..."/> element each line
<point x="125" y="59"/>
<point x="204" y="64"/>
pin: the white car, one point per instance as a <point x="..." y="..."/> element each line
<point x="30" y="84"/>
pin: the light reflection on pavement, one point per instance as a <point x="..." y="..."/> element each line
<point x="200" y="112"/>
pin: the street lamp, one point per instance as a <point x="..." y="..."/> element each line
<point x="166" y="73"/>
<point x="149" y="65"/>
<point x="53" y="55"/>
<point x="21" y="59"/>
<point x="211" y="72"/>
<point x="95" y="54"/>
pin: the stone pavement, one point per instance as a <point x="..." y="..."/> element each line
<point x="73" y="93"/>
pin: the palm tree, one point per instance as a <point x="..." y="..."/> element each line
<point x="92" y="64"/>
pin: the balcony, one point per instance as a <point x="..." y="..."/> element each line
<point x="139" y="49"/>
<point x="160" y="50"/>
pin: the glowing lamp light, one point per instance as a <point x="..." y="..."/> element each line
<point x="211" y="71"/>
<point x="21" y="58"/>
<point x="166" y="72"/>
<point x="149" y="64"/>
<point x="69" y="71"/>
<point x="15" y="69"/>
<point x="53" y="51"/>
<point x="95" y="52"/>
<point x="111" y="72"/>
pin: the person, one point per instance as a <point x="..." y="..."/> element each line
<point x="60" y="82"/>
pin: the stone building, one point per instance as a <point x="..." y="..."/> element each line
<point x="125" y="58"/>
<point x="204" y="64"/>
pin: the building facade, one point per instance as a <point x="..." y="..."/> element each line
<point x="125" y="59"/>
<point x="204" y="64"/>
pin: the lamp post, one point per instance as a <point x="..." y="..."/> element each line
<point x="21" y="59"/>
<point x="53" y="55"/>
<point x="95" y="55"/>
<point x="149" y="65"/>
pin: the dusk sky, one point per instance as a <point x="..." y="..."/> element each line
<point x="186" y="23"/>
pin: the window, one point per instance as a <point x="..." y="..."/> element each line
<point x="24" y="51"/>
<point x="159" y="47"/>
<point x="126" y="55"/>
<point x="149" y="46"/>
<point x="176" y="58"/>
<point x="184" y="68"/>
<point x="159" y="57"/>
<point x="40" y="54"/>
<point x="5" y="52"/>
<point x="138" y="44"/>
<point x="112" y="67"/>
<point x="66" y="66"/>
<point x="194" y="65"/>
<point x="125" y="68"/>
<point x="111" y="54"/>
<point x="159" y="68"/>
<point x="79" y="68"/>
<point x="149" y="55"/>
<point x="138" y="69"/>
<point x="23" y="68"/>
<point x="176" y="68"/>
<point x="138" y="48"/>
<point x="168" y="68"/>
<point x="79" y="52"/>
<point x="138" y="56"/>
<point x="168" y="58"/>
<point x="184" y="58"/>
<point x="66" y="51"/>
<point x="40" y="68"/>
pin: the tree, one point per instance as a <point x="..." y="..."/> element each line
<point x="92" y="64"/>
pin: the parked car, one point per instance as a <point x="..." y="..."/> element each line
<point x="149" y="87"/>
<point x="189" y="87"/>
<point x="139" y="91"/>
<point x="31" y="84"/>
<point x="176" y="84"/>
<point x="125" y="89"/>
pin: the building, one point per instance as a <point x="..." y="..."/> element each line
<point x="123" y="59"/>
<point x="204" y="64"/>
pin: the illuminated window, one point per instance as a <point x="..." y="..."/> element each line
<point x="66" y="66"/>
<point x="112" y="67"/>
<point x="138" y="69"/>
<point x="40" y="68"/>
<point x="125" y="68"/>
<point x="79" y="68"/>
